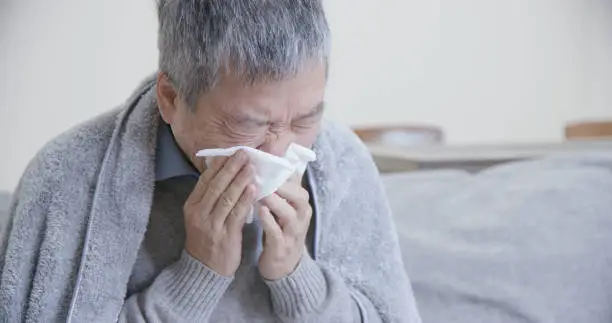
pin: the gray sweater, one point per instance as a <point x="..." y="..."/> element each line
<point x="83" y="205"/>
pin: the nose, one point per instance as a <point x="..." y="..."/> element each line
<point x="277" y="145"/>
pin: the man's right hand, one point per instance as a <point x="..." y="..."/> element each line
<point x="216" y="211"/>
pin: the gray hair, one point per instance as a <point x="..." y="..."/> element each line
<point x="255" y="39"/>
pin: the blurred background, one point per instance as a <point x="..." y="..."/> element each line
<point x="488" y="72"/>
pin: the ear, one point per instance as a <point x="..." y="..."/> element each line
<point x="167" y="98"/>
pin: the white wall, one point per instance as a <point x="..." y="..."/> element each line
<point x="66" y="60"/>
<point x="484" y="70"/>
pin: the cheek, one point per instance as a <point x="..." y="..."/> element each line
<point x="186" y="135"/>
<point x="194" y="134"/>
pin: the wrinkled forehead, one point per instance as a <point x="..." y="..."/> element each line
<point x="298" y="93"/>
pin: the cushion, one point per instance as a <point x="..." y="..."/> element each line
<point x="522" y="242"/>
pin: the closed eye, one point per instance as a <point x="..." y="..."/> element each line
<point x="304" y="124"/>
<point x="248" y="122"/>
<point x="309" y="119"/>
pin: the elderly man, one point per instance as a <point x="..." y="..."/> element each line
<point x="118" y="220"/>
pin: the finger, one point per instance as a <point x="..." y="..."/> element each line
<point x="273" y="232"/>
<point x="216" y="165"/>
<point x="285" y="213"/>
<point x="296" y="195"/>
<point x="200" y="189"/>
<point x="219" y="183"/>
<point x="237" y="216"/>
<point x="298" y="198"/>
<point x="216" y="162"/>
<point x="232" y="193"/>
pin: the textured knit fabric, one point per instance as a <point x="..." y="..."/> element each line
<point x="246" y="298"/>
<point x="82" y="207"/>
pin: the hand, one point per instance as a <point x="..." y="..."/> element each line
<point x="285" y="216"/>
<point x="216" y="211"/>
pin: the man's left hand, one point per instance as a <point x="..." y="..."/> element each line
<point x="285" y="216"/>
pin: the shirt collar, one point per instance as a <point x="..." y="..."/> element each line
<point x="169" y="159"/>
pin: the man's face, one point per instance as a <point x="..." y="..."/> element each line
<point x="268" y="115"/>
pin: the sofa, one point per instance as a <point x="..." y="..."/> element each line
<point x="527" y="242"/>
<point x="522" y="242"/>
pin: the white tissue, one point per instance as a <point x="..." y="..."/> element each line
<point x="270" y="171"/>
